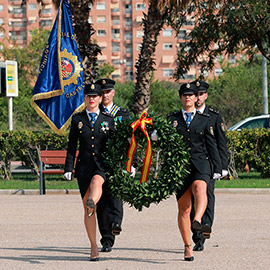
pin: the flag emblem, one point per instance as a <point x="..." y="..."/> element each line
<point x="71" y="67"/>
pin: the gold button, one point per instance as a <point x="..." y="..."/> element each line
<point x="93" y="154"/>
<point x="92" y="137"/>
<point x="92" y="129"/>
<point x="188" y="139"/>
<point x="188" y="130"/>
<point x="93" y="145"/>
<point x="80" y="131"/>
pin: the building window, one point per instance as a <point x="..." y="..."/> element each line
<point x="101" y="19"/>
<point x="90" y="19"/>
<point x="218" y="71"/>
<point x="168" y="72"/>
<point x="45" y="22"/>
<point x="232" y="59"/>
<point x="46" y="11"/>
<point x="116" y="76"/>
<point x="32" y="6"/>
<point x="128" y="35"/>
<point x="167" y="32"/>
<point x="2" y="34"/>
<point x="128" y="22"/>
<point x="115" y="33"/>
<point x="1" y="7"/>
<point x="115" y="10"/>
<point x="129" y="48"/>
<point x="115" y="47"/>
<point x="2" y="21"/>
<point x="101" y="6"/>
<point x="116" y="62"/>
<point x="115" y="20"/>
<point x="129" y="62"/>
<point x="139" y="33"/>
<point x="182" y="34"/>
<point x="140" y="6"/>
<point x="139" y="46"/>
<point x="129" y="75"/>
<point x="101" y="33"/>
<point x="128" y="8"/>
<point x="167" y="46"/>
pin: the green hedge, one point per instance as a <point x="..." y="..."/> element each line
<point x="250" y="147"/>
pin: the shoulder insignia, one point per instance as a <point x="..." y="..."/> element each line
<point x="114" y="110"/>
<point x="106" y="113"/>
<point x="213" y="111"/>
<point x="171" y="114"/>
<point x="222" y="127"/>
<point x="204" y="114"/>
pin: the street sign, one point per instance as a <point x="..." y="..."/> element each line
<point x="11" y="79"/>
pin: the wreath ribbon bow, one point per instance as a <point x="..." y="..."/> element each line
<point x="142" y="121"/>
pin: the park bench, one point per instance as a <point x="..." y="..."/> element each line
<point x="51" y="157"/>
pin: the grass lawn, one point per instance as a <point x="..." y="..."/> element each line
<point x="29" y="181"/>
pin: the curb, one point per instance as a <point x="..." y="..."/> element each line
<point x="76" y="191"/>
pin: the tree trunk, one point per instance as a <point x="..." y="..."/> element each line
<point x="152" y="25"/>
<point x="83" y="31"/>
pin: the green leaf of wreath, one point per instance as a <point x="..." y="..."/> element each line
<point x="170" y="164"/>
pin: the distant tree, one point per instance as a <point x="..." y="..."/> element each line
<point x="227" y="26"/>
<point x="105" y="70"/>
<point x="237" y="93"/>
<point x="28" y="59"/>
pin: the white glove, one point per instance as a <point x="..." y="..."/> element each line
<point x="216" y="176"/>
<point x="154" y="136"/>
<point x="133" y="171"/>
<point x="224" y="173"/>
<point x="68" y="175"/>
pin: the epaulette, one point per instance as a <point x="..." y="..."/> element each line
<point x="171" y="114"/>
<point x="213" y="111"/>
<point x="106" y="113"/>
<point x="124" y="110"/>
<point x="204" y="114"/>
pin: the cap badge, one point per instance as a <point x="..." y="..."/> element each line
<point x="92" y="86"/>
<point x="197" y="84"/>
<point x="103" y="82"/>
<point x="188" y="85"/>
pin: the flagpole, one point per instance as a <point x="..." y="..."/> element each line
<point x="10" y="114"/>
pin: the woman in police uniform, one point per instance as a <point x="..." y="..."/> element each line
<point x="199" y="137"/>
<point x="91" y="128"/>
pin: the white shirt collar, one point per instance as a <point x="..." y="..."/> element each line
<point x="109" y="107"/>
<point x="97" y="112"/>
<point x="201" y="110"/>
<point x="193" y="113"/>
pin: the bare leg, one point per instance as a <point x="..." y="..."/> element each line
<point x="95" y="190"/>
<point x="199" y="191"/>
<point x="184" y="208"/>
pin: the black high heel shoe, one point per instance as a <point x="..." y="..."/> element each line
<point x="189" y="259"/>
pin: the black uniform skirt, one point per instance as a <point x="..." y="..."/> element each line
<point x="194" y="175"/>
<point x="84" y="183"/>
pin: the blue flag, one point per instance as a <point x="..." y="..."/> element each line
<point x="59" y="89"/>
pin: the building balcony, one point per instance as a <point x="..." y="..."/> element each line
<point x="115" y="53"/>
<point x="114" y="1"/>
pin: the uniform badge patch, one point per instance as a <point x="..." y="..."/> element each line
<point x="80" y="125"/>
<point x="104" y="126"/>
<point x="211" y="130"/>
<point x="222" y="127"/>
<point x="175" y="123"/>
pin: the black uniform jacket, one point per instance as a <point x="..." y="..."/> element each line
<point x="92" y="141"/>
<point x="200" y="140"/>
<point x="216" y="122"/>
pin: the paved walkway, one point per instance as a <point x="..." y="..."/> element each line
<point x="47" y="232"/>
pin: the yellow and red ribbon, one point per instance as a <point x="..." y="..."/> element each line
<point x="142" y="121"/>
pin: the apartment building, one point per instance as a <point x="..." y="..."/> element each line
<point x="16" y="21"/>
<point x="118" y="25"/>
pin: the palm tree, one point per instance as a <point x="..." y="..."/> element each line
<point x="159" y="11"/>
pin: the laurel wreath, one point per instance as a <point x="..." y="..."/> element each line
<point x="168" y="168"/>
